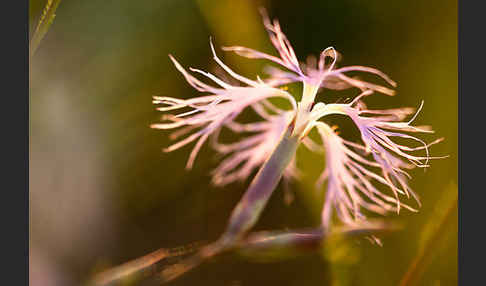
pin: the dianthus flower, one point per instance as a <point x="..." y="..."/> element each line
<point x="356" y="172"/>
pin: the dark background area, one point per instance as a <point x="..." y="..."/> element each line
<point x="102" y="192"/>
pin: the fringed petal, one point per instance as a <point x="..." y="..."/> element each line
<point x="207" y="114"/>
<point x="248" y="154"/>
<point x="351" y="180"/>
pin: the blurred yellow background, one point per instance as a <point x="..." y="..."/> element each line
<point x="102" y="192"/>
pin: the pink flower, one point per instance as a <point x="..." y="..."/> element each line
<point x="355" y="173"/>
<point x="358" y="174"/>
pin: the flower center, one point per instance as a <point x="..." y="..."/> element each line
<point x="304" y="108"/>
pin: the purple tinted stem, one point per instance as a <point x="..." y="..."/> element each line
<point x="249" y="208"/>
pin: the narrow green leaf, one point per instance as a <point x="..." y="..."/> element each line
<point x="47" y="17"/>
<point x="433" y="232"/>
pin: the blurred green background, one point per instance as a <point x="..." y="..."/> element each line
<point x="102" y="192"/>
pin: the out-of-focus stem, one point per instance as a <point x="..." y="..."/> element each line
<point x="439" y="228"/>
<point x="255" y="245"/>
<point x="265" y="244"/>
